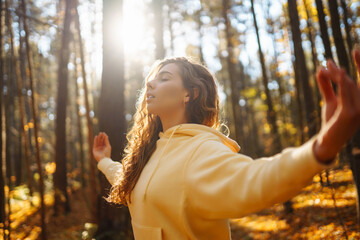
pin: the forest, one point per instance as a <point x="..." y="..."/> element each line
<point x="70" y="69"/>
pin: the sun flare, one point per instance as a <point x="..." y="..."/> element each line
<point x="135" y="27"/>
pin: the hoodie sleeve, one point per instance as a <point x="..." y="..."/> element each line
<point x="110" y="169"/>
<point x="223" y="184"/>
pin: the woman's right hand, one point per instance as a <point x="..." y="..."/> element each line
<point x="102" y="147"/>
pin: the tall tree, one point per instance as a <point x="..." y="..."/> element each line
<point x="349" y="39"/>
<point x="170" y="9"/>
<point x="297" y="112"/>
<point x="301" y="69"/>
<point x="323" y="29"/>
<point x="93" y="182"/>
<point x="9" y="119"/>
<point x="311" y="38"/>
<point x="2" y="179"/>
<point x="111" y="112"/>
<point x="157" y="6"/>
<point x="275" y="73"/>
<point x="271" y="114"/>
<point x="199" y="30"/>
<point x="337" y="35"/>
<point x="36" y="129"/>
<point x="18" y="77"/>
<point x="232" y="74"/>
<point x="60" y="180"/>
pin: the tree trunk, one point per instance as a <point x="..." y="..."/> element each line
<point x="159" y="28"/>
<point x="337" y="35"/>
<point x="238" y="121"/>
<point x="93" y="183"/>
<point x="349" y="39"/>
<point x="271" y="114"/>
<point x="2" y="179"/>
<point x="79" y="128"/>
<point x="111" y="118"/>
<point x="36" y="130"/>
<point x="170" y="23"/>
<point x="199" y="28"/>
<point x="323" y="29"/>
<point x="276" y="76"/>
<point x="28" y="148"/>
<point x="23" y="137"/>
<point x="315" y="62"/>
<point x="60" y="180"/>
<point x="301" y="69"/>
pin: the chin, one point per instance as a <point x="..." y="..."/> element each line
<point x="151" y="110"/>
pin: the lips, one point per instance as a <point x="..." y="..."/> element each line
<point x="149" y="96"/>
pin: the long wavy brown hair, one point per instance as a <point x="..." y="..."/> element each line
<point x="202" y="109"/>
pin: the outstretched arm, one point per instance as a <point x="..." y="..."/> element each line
<point x="223" y="184"/>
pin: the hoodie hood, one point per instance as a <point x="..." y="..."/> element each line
<point x="191" y="129"/>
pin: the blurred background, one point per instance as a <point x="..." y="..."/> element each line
<point x="72" y="68"/>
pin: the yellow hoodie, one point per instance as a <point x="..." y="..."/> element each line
<point x="196" y="180"/>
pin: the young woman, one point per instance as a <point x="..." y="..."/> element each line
<point x="183" y="179"/>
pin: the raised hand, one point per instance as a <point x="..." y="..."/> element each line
<point x="340" y="113"/>
<point x="102" y="147"/>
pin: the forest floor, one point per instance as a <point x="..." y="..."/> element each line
<point x="315" y="215"/>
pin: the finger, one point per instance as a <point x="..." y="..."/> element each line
<point x="333" y="69"/>
<point x="356" y="56"/>
<point x="107" y="143"/>
<point x="324" y="81"/>
<point x="99" y="139"/>
<point x="95" y="141"/>
<point x="345" y="89"/>
<point x="102" y="139"/>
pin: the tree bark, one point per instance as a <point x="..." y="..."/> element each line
<point x="2" y="179"/>
<point x="234" y="94"/>
<point x="199" y="30"/>
<point x="36" y="129"/>
<point x="23" y="137"/>
<point x="271" y="114"/>
<point x="79" y="128"/>
<point x="60" y="180"/>
<point x="323" y="29"/>
<point x="315" y="63"/>
<point x="337" y="35"/>
<point x="94" y="188"/>
<point x="112" y="118"/>
<point x="170" y="23"/>
<point x="159" y="28"/>
<point x="301" y="69"/>
<point x="349" y="39"/>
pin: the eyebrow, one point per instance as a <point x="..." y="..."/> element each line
<point x="164" y="72"/>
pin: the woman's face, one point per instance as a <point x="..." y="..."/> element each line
<point x="165" y="91"/>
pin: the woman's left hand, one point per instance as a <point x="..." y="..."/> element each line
<point x="341" y="113"/>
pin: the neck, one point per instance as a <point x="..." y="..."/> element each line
<point x="173" y="120"/>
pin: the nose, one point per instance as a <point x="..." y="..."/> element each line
<point x="149" y="84"/>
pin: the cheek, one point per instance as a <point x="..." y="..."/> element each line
<point x="170" y="95"/>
